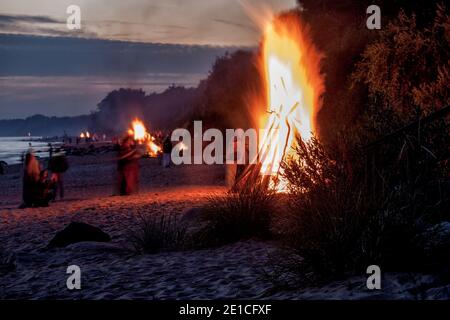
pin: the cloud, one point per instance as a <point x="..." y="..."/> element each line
<point x="15" y="19"/>
<point x="39" y="25"/>
<point x="69" y="76"/>
<point x="235" y="24"/>
<point x="127" y="23"/>
<point x="63" y="56"/>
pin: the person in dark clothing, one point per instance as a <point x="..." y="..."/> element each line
<point x="128" y="167"/>
<point x="43" y="192"/>
<point x="167" y="150"/>
<point x="58" y="165"/>
<point x="2" y="167"/>
<point x="50" y="150"/>
<point x="31" y="174"/>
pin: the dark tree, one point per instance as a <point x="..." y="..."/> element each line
<point x="228" y="95"/>
<point x="117" y="110"/>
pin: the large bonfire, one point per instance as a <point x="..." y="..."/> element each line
<point x="290" y="65"/>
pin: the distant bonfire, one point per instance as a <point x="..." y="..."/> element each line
<point x="139" y="132"/>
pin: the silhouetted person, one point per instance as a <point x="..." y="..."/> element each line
<point x="50" y="150"/>
<point x="2" y="167"/>
<point x="128" y="166"/>
<point x="65" y="136"/>
<point x="167" y="150"/>
<point x="43" y="192"/>
<point x="58" y="165"/>
<point x="31" y="174"/>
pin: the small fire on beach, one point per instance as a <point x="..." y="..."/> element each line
<point x="85" y="135"/>
<point x="290" y="66"/>
<point x="141" y="136"/>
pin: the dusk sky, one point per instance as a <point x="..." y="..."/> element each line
<point x="46" y="68"/>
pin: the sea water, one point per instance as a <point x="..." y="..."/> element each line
<point x="13" y="148"/>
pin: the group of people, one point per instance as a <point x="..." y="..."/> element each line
<point x="38" y="187"/>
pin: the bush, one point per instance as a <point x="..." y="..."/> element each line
<point x="158" y="233"/>
<point x="406" y="69"/>
<point x="339" y="224"/>
<point x="324" y="224"/>
<point x="240" y="214"/>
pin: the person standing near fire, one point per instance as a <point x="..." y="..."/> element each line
<point x="128" y="166"/>
<point x="167" y="150"/>
<point x="31" y="175"/>
<point x="58" y="165"/>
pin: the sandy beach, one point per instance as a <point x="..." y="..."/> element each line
<point x="113" y="271"/>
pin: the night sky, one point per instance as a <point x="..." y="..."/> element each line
<point x="47" y="69"/>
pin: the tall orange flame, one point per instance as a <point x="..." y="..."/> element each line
<point x="294" y="85"/>
<point x="139" y="130"/>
